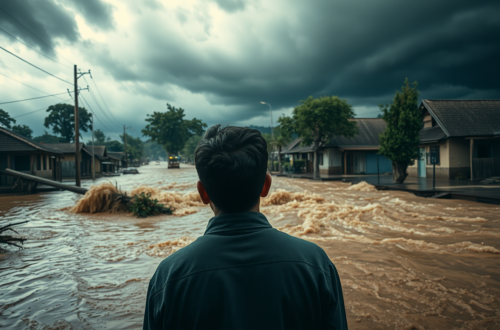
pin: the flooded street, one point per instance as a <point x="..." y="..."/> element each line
<point x="405" y="262"/>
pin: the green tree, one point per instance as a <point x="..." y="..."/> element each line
<point x="62" y="120"/>
<point x="190" y="147"/>
<point x="281" y="139"/>
<point x="5" y="119"/>
<point x="171" y="130"/>
<point x="134" y="147"/>
<point x="48" y="138"/>
<point x="318" y="120"/>
<point x="23" y="130"/>
<point x="99" y="137"/>
<point x="400" y="140"/>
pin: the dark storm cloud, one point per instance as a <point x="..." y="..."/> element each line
<point x="230" y="5"/>
<point x="40" y="22"/>
<point x="359" y="50"/>
<point x="95" y="12"/>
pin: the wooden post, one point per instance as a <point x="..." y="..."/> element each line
<point x="345" y="162"/>
<point x="471" y="155"/>
<point x="77" y="134"/>
<point x="33" y="164"/>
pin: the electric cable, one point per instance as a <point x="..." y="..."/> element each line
<point x="44" y="108"/>
<point x="33" y="98"/>
<point x="95" y="84"/>
<point x="90" y="108"/>
<point x="28" y="85"/>
<point x="50" y="74"/>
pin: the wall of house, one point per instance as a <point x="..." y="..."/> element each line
<point x="332" y="162"/>
<point x="459" y="157"/>
<point x="442" y="169"/>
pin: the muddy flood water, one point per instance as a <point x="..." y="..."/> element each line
<point x="405" y="262"/>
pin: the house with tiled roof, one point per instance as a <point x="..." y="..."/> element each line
<point x="22" y="154"/>
<point x="341" y="155"/>
<point x="465" y="136"/>
<point x="68" y="167"/>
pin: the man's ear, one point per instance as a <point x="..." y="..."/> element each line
<point x="203" y="193"/>
<point x="267" y="185"/>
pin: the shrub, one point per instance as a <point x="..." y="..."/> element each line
<point x="276" y="165"/>
<point x="461" y="176"/>
<point x="299" y="164"/>
<point x="143" y="206"/>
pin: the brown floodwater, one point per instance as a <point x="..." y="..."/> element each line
<point x="405" y="262"/>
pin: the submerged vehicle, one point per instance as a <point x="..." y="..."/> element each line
<point x="130" y="171"/>
<point x="173" y="162"/>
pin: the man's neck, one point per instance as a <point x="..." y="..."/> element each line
<point x="217" y="212"/>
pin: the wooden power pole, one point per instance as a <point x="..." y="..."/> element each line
<point x="77" y="134"/>
<point x="125" y="145"/>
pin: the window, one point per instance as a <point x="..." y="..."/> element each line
<point x="44" y="160"/>
<point x="50" y="163"/>
<point x="22" y="163"/>
<point x="483" y="151"/>
<point x="304" y="156"/>
<point x="38" y="162"/>
<point x="320" y="158"/>
<point x="434" y="149"/>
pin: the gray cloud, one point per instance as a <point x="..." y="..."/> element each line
<point x="230" y="5"/>
<point x="95" y="12"/>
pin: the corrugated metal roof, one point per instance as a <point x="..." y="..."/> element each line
<point x="12" y="141"/>
<point x="369" y="130"/>
<point x="463" y="118"/>
<point x="432" y="134"/>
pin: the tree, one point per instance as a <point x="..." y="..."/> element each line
<point x="281" y="139"/>
<point x="134" y="147"/>
<point x="190" y="147"/>
<point x="99" y="137"/>
<point x="318" y="120"/>
<point x="48" y="138"/>
<point x="399" y="142"/>
<point x="23" y="130"/>
<point x="5" y="119"/>
<point x="170" y="130"/>
<point x="62" y="120"/>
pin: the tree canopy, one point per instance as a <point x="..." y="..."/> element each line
<point x="62" y="120"/>
<point x="24" y="130"/>
<point x="190" y="147"/>
<point x="317" y="120"/>
<point x="5" y="119"/>
<point x="48" y="138"/>
<point x="171" y="130"/>
<point x="400" y="140"/>
<point x="134" y="147"/>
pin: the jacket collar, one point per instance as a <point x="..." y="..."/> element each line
<point x="237" y="223"/>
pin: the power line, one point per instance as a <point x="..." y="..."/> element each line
<point x="95" y="84"/>
<point x="44" y="108"/>
<point x="99" y="105"/>
<point x="50" y="58"/>
<point x="34" y="34"/>
<point x="33" y="98"/>
<point x="28" y="85"/>
<point x="50" y="74"/>
<point x="90" y="108"/>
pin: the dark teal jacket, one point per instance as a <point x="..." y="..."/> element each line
<point x="244" y="274"/>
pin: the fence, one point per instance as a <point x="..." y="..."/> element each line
<point x="486" y="167"/>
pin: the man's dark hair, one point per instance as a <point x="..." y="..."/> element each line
<point x="232" y="164"/>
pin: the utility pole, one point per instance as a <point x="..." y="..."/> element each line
<point x="93" y="154"/>
<point x="77" y="129"/>
<point x="77" y="134"/>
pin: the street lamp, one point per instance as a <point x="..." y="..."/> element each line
<point x="271" y="111"/>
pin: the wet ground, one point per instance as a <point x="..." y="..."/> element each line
<point x="405" y="262"/>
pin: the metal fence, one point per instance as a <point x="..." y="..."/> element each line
<point x="486" y="167"/>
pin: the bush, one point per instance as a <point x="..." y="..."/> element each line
<point x="461" y="176"/>
<point x="276" y="165"/>
<point x="299" y="164"/>
<point x="143" y="206"/>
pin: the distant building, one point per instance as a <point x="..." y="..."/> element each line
<point x="24" y="155"/>
<point x="117" y="158"/>
<point x="68" y="163"/>
<point x="465" y="136"/>
<point x="340" y="155"/>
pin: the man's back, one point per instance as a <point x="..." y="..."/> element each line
<point x="243" y="274"/>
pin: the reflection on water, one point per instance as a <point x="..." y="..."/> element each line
<point x="404" y="261"/>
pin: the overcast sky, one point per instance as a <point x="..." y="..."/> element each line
<point x="218" y="59"/>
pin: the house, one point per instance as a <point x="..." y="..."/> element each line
<point x="68" y="163"/>
<point x="117" y="158"/>
<point x="102" y="162"/>
<point x="24" y="155"/>
<point x="341" y="155"/>
<point x="465" y="137"/>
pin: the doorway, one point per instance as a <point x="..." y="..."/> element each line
<point x="421" y="163"/>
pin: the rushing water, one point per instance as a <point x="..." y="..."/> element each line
<point x="405" y="262"/>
